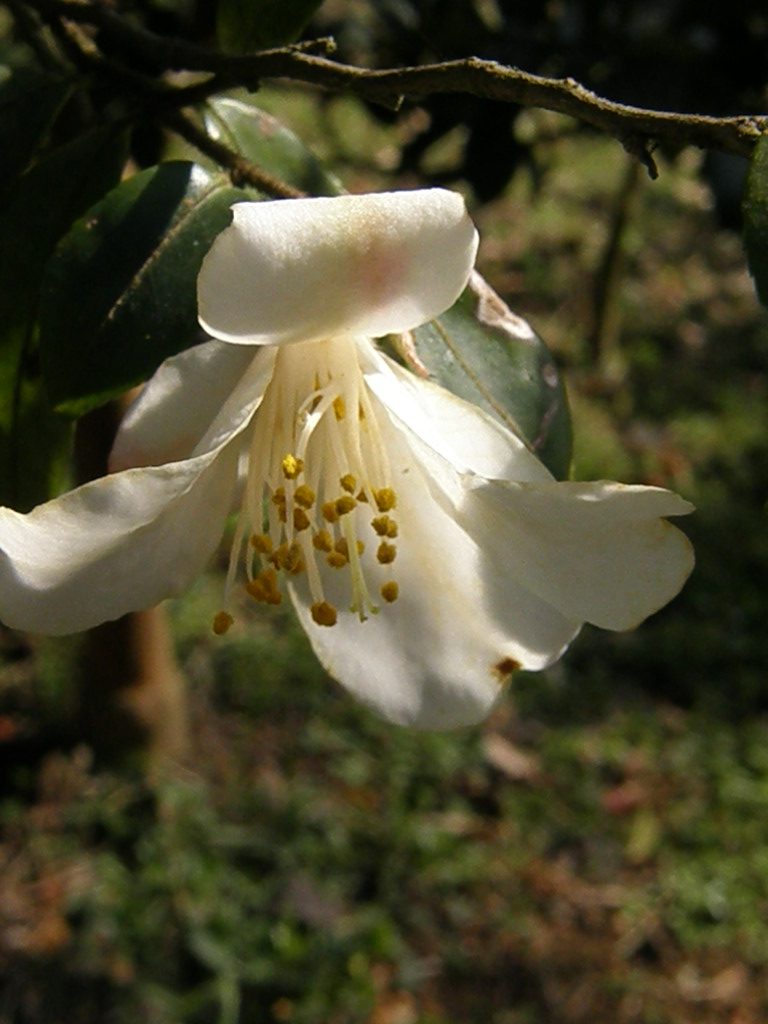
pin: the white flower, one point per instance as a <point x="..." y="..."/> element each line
<point x="428" y="553"/>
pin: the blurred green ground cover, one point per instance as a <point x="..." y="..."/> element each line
<point x="596" y="852"/>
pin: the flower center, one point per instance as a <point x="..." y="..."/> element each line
<point x="318" y="498"/>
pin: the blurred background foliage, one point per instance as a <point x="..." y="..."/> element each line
<point x="597" y="850"/>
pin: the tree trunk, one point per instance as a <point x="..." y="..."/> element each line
<point x="131" y="701"/>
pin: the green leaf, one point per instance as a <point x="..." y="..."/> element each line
<point x="40" y="208"/>
<point x="266" y="142"/>
<point x="755" y="209"/>
<point x="29" y="102"/>
<point x="481" y="351"/>
<point x="34" y="213"/>
<point x="246" y="25"/>
<point x="119" y="295"/>
<point x="34" y="448"/>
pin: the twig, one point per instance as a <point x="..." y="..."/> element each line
<point x="635" y="127"/>
<point x="29" y="30"/>
<point x="241" y="171"/>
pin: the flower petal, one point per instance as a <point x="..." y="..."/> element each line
<point x="441" y="654"/>
<point x="598" y="552"/>
<point x="177" y="405"/>
<point x="115" y="545"/>
<point x="460" y="432"/>
<point x="306" y="269"/>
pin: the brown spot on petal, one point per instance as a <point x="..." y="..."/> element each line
<point x="503" y="670"/>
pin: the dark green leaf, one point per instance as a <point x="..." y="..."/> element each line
<point x="34" y="214"/>
<point x="755" y="208"/>
<point x="266" y="142"/>
<point x="244" y="25"/>
<point x="40" y="208"/>
<point x="33" y="451"/>
<point x="480" y="350"/>
<point x="29" y="102"/>
<point x="119" y="295"/>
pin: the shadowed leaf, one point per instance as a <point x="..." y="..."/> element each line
<point x="29" y="101"/>
<point x="119" y="295"/>
<point x="265" y="141"/>
<point x="481" y="351"/>
<point x="34" y="213"/>
<point x="245" y="25"/>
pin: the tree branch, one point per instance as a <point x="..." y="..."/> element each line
<point x="637" y="128"/>
<point x="241" y="171"/>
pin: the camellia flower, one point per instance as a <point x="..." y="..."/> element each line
<point x="427" y="551"/>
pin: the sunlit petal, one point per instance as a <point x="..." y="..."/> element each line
<point x="178" y="404"/>
<point x="598" y="552"/>
<point x="306" y="269"/>
<point x="441" y="654"/>
<point x="114" y="545"/>
<point x="460" y="432"/>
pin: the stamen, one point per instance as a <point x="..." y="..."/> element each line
<point x="384" y="526"/>
<point x="278" y="500"/>
<point x="291" y="466"/>
<point x="304" y="496"/>
<point x="329" y="511"/>
<point x="300" y="520"/>
<point x="386" y="553"/>
<point x="311" y="464"/>
<point x="339" y="408"/>
<point x="361" y="599"/>
<point x="385" y="499"/>
<point x="322" y="541"/>
<point x="345" y="504"/>
<point x="342" y="545"/>
<point x="323" y="614"/>
<point x="264" y="587"/>
<point x="289" y="557"/>
<point x="221" y="623"/>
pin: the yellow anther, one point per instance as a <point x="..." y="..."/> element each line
<point x="257" y="590"/>
<point x="263" y="587"/>
<point x="304" y="496"/>
<point x="292" y="558"/>
<point x="389" y="591"/>
<point x="323" y="614"/>
<point x="300" y="519"/>
<point x="385" y="499"/>
<point x="329" y="511"/>
<point x="322" y="541"/>
<point x="262" y="543"/>
<point x="345" y="504"/>
<point x="339" y="408"/>
<point x="386" y="553"/>
<point x="343" y="548"/>
<point x="278" y="497"/>
<point x="362" y="496"/>
<point x="337" y="559"/>
<point x="291" y="466"/>
<point x="221" y="623"/>
<point x="348" y="483"/>
<point x="384" y="526"/>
